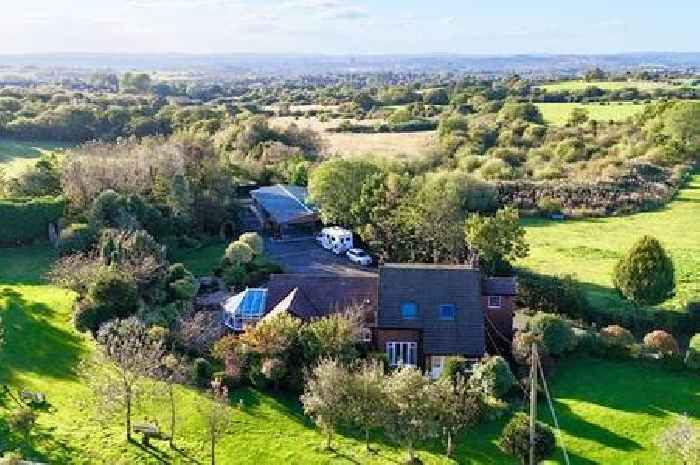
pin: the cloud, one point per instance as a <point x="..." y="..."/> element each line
<point x="347" y="13"/>
<point x="328" y="9"/>
<point x="449" y="20"/>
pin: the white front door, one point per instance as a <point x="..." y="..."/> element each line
<point x="437" y="362"/>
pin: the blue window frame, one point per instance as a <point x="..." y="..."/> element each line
<point x="447" y="311"/>
<point x="409" y="310"/>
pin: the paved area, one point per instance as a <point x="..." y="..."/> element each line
<point x="306" y="256"/>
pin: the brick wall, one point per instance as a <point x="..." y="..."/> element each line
<point x="381" y="336"/>
<point x="502" y="319"/>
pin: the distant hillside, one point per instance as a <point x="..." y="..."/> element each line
<point x="310" y="64"/>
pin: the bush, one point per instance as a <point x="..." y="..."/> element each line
<point x="616" y="336"/>
<point x="492" y="376"/>
<point x="557" y="335"/>
<point x="515" y="439"/>
<point x="692" y="356"/>
<point x="645" y="274"/>
<point x="111" y="295"/>
<point x="522" y="347"/>
<point x="558" y="294"/>
<point x="661" y="341"/>
<point x="455" y="366"/>
<point x="254" y="241"/>
<point x="202" y="371"/>
<point x="23" y="220"/>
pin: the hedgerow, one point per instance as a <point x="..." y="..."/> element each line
<point x="23" y="220"/>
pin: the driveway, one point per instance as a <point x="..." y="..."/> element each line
<point x="306" y="256"/>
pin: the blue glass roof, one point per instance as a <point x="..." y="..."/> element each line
<point x="250" y="302"/>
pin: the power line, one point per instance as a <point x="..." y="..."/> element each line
<point x="554" y="415"/>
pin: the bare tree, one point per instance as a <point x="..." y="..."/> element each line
<point x="173" y="371"/>
<point x="216" y="414"/>
<point x="127" y="355"/>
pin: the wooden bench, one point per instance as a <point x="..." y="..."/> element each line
<point x="149" y="431"/>
<point x="32" y="398"/>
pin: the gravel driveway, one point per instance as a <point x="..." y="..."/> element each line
<point x="307" y="256"/>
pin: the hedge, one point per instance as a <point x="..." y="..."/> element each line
<point x="23" y="220"/>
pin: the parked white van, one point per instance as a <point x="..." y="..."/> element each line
<point x="336" y="239"/>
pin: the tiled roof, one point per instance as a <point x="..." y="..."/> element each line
<point x="500" y="286"/>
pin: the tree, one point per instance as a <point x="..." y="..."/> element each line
<point x="238" y="253"/>
<point x="368" y="402"/>
<point x="681" y="442"/>
<point x="556" y="333"/>
<point x="22" y="421"/>
<point x="515" y="439"/>
<point x="254" y="241"/>
<point x="333" y="336"/>
<point x="578" y="116"/>
<point x="498" y="239"/>
<point x="274" y="336"/>
<point x="336" y="185"/>
<point x="216" y="414"/>
<point x="692" y="356"/>
<point x="171" y="372"/>
<point x="492" y="376"/>
<point x="458" y="407"/>
<point x="126" y="355"/>
<point x="411" y="416"/>
<point x="111" y="294"/>
<point x="645" y="274"/>
<point x="326" y="396"/>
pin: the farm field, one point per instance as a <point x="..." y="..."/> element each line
<point x="558" y="113"/>
<point x="589" y="249"/>
<point x="606" y="415"/>
<point x="408" y="145"/>
<point x="607" y="85"/>
<point x="16" y="155"/>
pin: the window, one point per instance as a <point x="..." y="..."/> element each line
<point x="447" y="312"/>
<point x="494" y="301"/>
<point x="409" y="310"/>
<point x="402" y="353"/>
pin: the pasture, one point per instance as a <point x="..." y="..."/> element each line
<point x="409" y="145"/>
<point x="16" y="155"/>
<point x="558" y="113"/>
<point x="610" y="412"/>
<point x="576" y="85"/>
<point x="589" y="248"/>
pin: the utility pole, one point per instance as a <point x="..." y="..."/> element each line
<point x="534" y="362"/>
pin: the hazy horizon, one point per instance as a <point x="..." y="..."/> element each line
<point x="350" y="27"/>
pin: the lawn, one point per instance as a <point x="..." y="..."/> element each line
<point x="589" y="248"/>
<point x="558" y="113"/>
<point x="200" y="261"/>
<point x="607" y="85"/>
<point x="606" y="414"/>
<point x="17" y="155"/>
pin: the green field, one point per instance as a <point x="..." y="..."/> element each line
<point x="558" y="113"/>
<point x="607" y="414"/>
<point x="16" y="155"/>
<point x="589" y="249"/>
<point x="607" y="85"/>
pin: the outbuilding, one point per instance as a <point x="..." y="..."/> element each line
<point x="284" y="210"/>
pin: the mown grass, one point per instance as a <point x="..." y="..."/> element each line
<point x="607" y="85"/>
<point x="558" y="113"/>
<point x="611" y="412"/>
<point x="16" y="155"/>
<point x="589" y="249"/>
<point x="200" y="261"/>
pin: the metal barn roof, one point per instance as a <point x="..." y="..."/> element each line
<point x="285" y="203"/>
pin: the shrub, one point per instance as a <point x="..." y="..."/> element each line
<point x="23" y="220"/>
<point x="522" y="347"/>
<point x="515" y="439"/>
<point x="557" y="335"/>
<point x="455" y="366"/>
<point x="661" y="341"/>
<point x="692" y="356"/>
<point x="616" y="336"/>
<point x="238" y="253"/>
<point x="559" y="294"/>
<point x="202" y="371"/>
<point x="645" y="274"/>
<point x="274" y="369"/>
<point x="254" y="241"/>
<point x="111" y="295"/>
<point x="549" y="206"/>
<point x="492" y="376"/>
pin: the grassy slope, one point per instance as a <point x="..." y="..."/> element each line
<point x="558" y="113"/>
<point x="16" y="155"/>
<point x="590" y="248"/>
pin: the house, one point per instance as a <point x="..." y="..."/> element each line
<point x="418" y="314"/>
<point x="284" y="210"/>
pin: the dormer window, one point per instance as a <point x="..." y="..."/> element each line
<point x="494" y="301"/>
<point x="409" y="310"/>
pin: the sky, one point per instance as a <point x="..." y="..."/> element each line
<point x="348" y="26"/>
